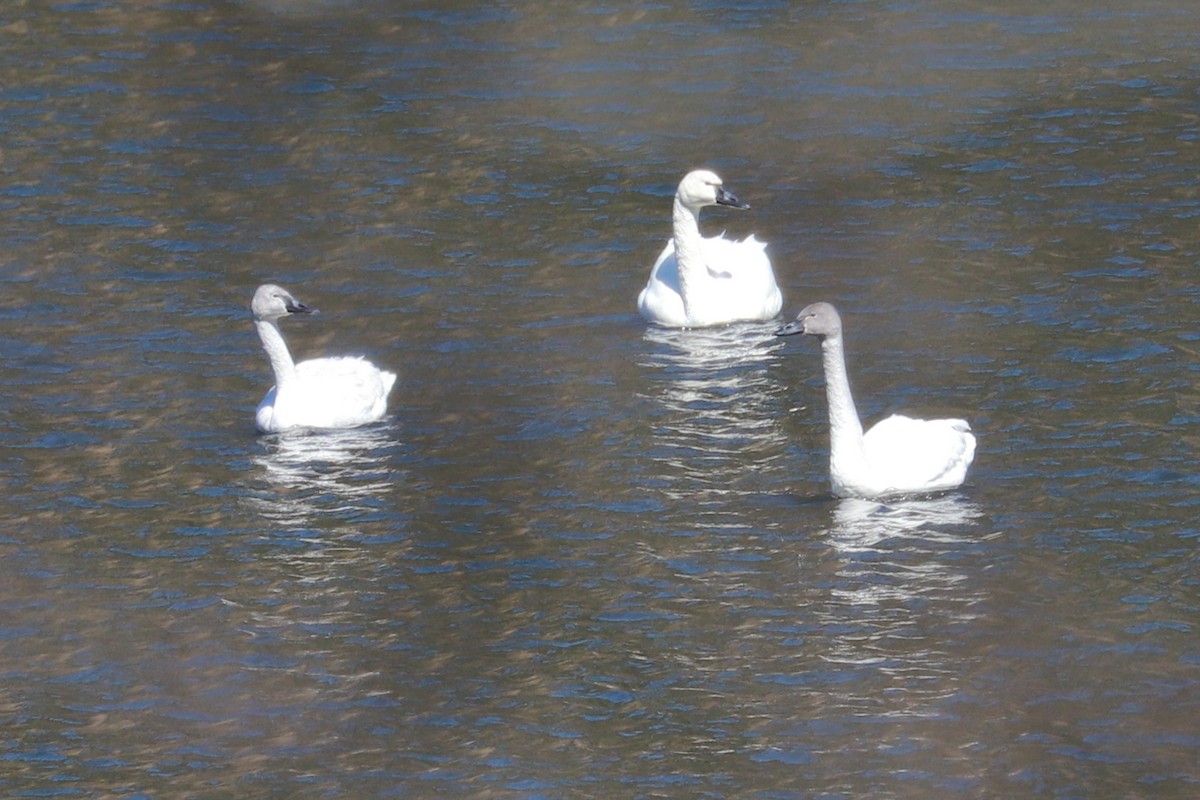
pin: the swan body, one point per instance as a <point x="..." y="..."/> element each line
<point x="899" y="455"/>
<point x="698" y="282"/>
<point x="336" y="392"/>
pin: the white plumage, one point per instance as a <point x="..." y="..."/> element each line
<point x="899" y="455"/>
<point x="699" y="282"/>
<point x="335" y="392"/>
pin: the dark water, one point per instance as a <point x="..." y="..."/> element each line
<point x="583" y="558"/>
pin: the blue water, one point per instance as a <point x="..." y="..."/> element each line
<point x="583" y="557"/>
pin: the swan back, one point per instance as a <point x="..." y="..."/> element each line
<point x="910" y="456"/>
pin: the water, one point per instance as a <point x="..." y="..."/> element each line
<point x="583" y="558"/>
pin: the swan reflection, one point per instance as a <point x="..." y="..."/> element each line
<point x="707" y="348"/>
<point x="860" y="525"/>
<point x="716" y="395"/>
<point x="904" y="551"/>
<point x="904" y="583"/>
<point x="340" y="473"/>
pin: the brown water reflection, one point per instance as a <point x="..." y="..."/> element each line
<point x="585" y="558"/>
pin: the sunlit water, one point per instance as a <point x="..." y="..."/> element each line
<point x="584" y="558"/>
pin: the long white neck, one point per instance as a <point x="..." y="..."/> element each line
<point x="845" y="430"/>
<point x="277" y="351"/>
<point x="689" y="250"/>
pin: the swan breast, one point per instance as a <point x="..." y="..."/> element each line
<point x="739" y="284"/>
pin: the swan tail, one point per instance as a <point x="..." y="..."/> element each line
<point x="389" y="380"/>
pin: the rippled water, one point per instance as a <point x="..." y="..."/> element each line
<point x="584" y="558"/>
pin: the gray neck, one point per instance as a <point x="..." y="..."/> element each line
<point x="845" y="429"/>
<point x="277" y="351"/>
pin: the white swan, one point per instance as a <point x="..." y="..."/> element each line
<point x="338" y="392"/>
<point x="698" y="282"/>
<point x="899" y="455"/>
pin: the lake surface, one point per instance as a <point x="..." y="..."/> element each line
<point x="584" y="558"/>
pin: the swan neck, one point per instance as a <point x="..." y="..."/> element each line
<point x="845" y="428"/>
<point x="689" y="249"/>
<point x="277" y="351"/>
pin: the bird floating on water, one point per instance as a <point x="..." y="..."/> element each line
<point x="334" y="392"/>
<point x="897" y="456"/>
<point x="699" y="282"/>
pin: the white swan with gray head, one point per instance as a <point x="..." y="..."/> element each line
<point x="897" y="456"/>
<point x="699" y="282"/>
<point x="334" y="392"/>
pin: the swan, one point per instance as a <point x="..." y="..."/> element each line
<point x="899" y="455"/>
<point x="338" y="392"/>
<point x="698" y="282"/>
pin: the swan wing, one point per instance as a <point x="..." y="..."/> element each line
<point x="661" y="300"/>
<point x="918" y="455"/>
<point x="743" y="281"/>
<point x="339" y="392"/>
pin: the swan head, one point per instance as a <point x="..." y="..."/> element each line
<point x="818" y="319"/>
<point x="701" y="188"/>
<point x="272" y="302"/>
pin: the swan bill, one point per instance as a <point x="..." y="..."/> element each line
<point x="728" y="198"/>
